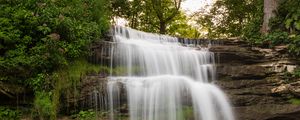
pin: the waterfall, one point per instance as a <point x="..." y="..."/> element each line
<point x="161" y="79"/>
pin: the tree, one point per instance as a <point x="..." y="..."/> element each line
<point x="138" y="13"/>
<point x="285" y="26"/>
<point x="270" y="7"/>
<point x="231" y="18"/>
<point x="147" y="15"/>
<point x="179" y="27"/>
<point x="165" y="11"/>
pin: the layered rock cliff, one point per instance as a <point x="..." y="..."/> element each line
<point x="253" y="78"/>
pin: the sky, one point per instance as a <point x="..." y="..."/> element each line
<point x="190" y="6"/>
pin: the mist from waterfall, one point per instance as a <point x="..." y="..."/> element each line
<point x="163" y="79"/>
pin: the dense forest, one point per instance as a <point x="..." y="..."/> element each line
<point x="45" y="43"/>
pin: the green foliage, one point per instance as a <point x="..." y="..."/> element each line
<point x="40" y="38"/>
<point x="77" y="70"/>
<point x="294" y="46"/>
<point x="81" y="67"/>
<point x="288" y="16"/>
<point x="287" y="21"/>
<point x="43" y="107"/>
<point x="37" y="37"/>
<point x="293" y="75"/>
<point x="296" y="73"/>
<point x="66" y="80"/>
<point x="251" y="32"/>
<point x="9" y="114"/>
<point x="139" y="14"/>
<point x="276" y="38"/>
<point x="151" y="15"/>
<point x="232" y="18"/>
<point x="180" y="28"/>
<point x="48" y="88"/>
<point x="86" y="115"/>
<point x="40" y="82"/>
<point x="270" y="40"/>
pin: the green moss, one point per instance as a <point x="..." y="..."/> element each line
<point x="64" y="82"/>
<point x="119" y="71"/>
<point x="295" y="101"/>
<point x="81" y="67"/>
<point x="70" y="77"/>
<point x="187" y="113"/>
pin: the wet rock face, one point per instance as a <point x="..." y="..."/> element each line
<point x="252" y="79"/>
<point x="91" y="92"/>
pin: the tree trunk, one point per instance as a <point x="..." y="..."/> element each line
<point x="269" y="7"/>
<point x="162" y="27"/>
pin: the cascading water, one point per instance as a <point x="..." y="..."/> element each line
<point x="163" y="79"/>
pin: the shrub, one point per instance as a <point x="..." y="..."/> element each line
<point x="43" y="107"/>
<point x="9" y="114"/>
<point x="39" y="36"/>
<point x="86" y="115"/>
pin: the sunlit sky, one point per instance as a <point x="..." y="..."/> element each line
<point x="188" y="6"/>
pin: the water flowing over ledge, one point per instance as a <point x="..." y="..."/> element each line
<point x="163" y="78"/>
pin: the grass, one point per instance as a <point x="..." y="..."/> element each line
<point x="81" y="67"/>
